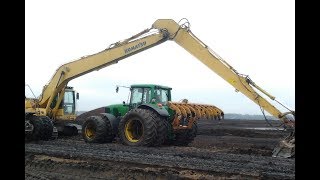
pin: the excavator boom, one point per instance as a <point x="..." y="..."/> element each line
<point x="86" y="64"/>
<point x="186" y="39"/>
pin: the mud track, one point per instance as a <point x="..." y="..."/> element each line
<point x="222" y="150"/>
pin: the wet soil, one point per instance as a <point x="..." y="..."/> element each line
<point x="224" y="149"/>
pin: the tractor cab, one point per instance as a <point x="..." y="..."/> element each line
<point x="149" y="94"/>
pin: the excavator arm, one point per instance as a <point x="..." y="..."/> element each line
<point x="183" y="36"/>
<point x="86" y="64"/>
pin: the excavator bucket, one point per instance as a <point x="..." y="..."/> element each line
<point x="286" y="147"/>
<point x="186" y="113"/>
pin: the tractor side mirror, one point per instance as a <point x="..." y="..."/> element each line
<point x="117" y="89"/>
<point x="77" y="96"/>
<point x="124" y="103"/>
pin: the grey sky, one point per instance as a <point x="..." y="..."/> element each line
<point x="256" y="37"/>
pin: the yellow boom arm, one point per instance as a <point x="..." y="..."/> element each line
<point x="183" y="36"/>
<point x="84" y="65"/>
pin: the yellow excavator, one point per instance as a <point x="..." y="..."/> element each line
<point x="57" y="102"/>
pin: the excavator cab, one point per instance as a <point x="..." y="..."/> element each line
<point x="65" y="112"/>
<point x="67" y="109"/>
<point x="69" y="103"/>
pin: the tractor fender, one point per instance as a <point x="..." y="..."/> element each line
<point x="161" y="111"/>
<point x="113" y="121"/>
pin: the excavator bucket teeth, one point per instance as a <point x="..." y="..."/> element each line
<point x="286" y="147"/>
<point x="187" y="113"/>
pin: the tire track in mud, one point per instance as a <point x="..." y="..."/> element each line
<point x="46" y="167"/>
<point x="206" y="161"/>
<point x="220" y="151"/>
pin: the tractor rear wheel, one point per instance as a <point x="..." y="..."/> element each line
<point x="96" y="129"/>
<point x="162" y="129"/>
<point x="138" y="128"/>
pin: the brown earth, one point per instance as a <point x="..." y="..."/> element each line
<point x="222" y="150"/>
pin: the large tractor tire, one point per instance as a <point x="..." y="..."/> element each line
<point x="167" y="139"/>
<point x="186" y="137"/>
<point x="138" y="128"/>
<point x="97" y="129"/>
<point x="162" y="130"/>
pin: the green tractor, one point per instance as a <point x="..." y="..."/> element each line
<point x="149" y="119"/>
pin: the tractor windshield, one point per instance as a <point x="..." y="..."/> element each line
<point x="140" y="95"/>
<point x="161" y="96"/>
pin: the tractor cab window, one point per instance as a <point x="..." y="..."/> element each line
<point x="146" y="95"/>
<point x="161" y="96"/>
<point x="140" y="95"/>
<point x="69" y="103"/>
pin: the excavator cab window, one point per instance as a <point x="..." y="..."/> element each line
<point x="146" y="95"/>
<point x="69" y="103"/>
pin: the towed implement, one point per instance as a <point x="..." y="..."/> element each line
<point x="149" y="119"/>
<point x="192" y="112"/>
<point x="57" y="101"/>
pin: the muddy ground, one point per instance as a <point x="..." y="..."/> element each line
<point x="222" y="150"/>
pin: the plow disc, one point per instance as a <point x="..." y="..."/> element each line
<point x="186" y="113"/>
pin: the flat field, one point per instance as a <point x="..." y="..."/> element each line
<point x="226" y="149"/>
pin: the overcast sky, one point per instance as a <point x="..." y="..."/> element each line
<point x="256" y="37"/>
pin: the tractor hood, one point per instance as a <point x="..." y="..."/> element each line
<point x="117" y="109"/>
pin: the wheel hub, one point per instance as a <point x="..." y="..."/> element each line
<point x="133" y="130"/>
